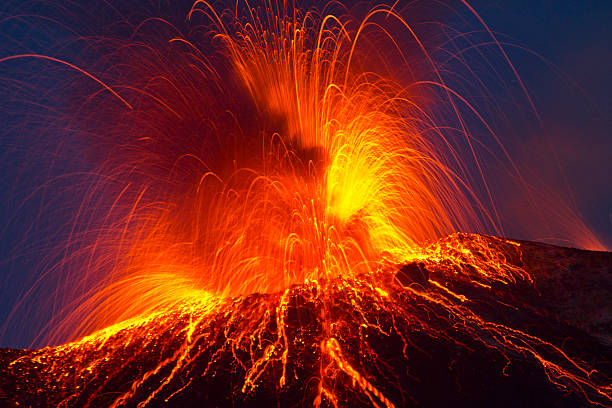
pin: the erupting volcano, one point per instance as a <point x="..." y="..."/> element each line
<point x="290" y="206"/>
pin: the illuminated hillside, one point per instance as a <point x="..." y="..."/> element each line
<point x="473" y="321"/>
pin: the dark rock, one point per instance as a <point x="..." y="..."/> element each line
<point x="477" y="346"/>
<point x="414" y="272"/>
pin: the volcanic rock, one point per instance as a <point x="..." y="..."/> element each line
<point x="493" y="322"/>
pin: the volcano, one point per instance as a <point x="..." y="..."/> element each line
<point x="445" y="330"/>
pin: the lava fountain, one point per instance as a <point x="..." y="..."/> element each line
<point x="274" y="152"/>
<point x="264" y="158"/>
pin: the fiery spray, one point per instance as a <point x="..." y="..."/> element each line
<point x="282" y="161"/>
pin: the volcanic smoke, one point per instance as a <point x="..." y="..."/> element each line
<point x="275" y="193"/>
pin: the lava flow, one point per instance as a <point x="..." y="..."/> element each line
<point x="463" y="325"/>
<point x="283" y="206"/>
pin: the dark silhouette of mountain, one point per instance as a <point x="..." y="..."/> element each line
<point x="480" y="321"/>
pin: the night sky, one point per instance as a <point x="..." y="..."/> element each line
<point x="575" y="101"/>
<point x="561" y="49"/>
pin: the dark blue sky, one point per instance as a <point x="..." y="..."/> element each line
<point x="572" y="93"/>
<point x="576" y="106"/>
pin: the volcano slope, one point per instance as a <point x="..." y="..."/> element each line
<point x="473" y="321"/>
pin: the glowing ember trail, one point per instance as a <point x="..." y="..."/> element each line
<point x="335" y="178"/>
<point x="268" y="171"/>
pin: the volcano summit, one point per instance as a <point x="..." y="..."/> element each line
<point x="477" y="321"/>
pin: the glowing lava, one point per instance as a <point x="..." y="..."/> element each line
<point x="277" y="160"/>
<point x="375" y="339"/>
<point x="286" y="161"/>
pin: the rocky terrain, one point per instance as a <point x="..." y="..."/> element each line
<point x="478" y="321"/>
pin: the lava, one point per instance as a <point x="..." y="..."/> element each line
<point x="275" y="158"/>
<point x="363" y="340"/>
<point x="269" y="177"/>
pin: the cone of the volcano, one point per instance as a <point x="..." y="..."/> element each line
<point x="414" y="272"/>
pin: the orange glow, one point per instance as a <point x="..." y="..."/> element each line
<point x="346" y="180"/>
<point x="344" y="175"/>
